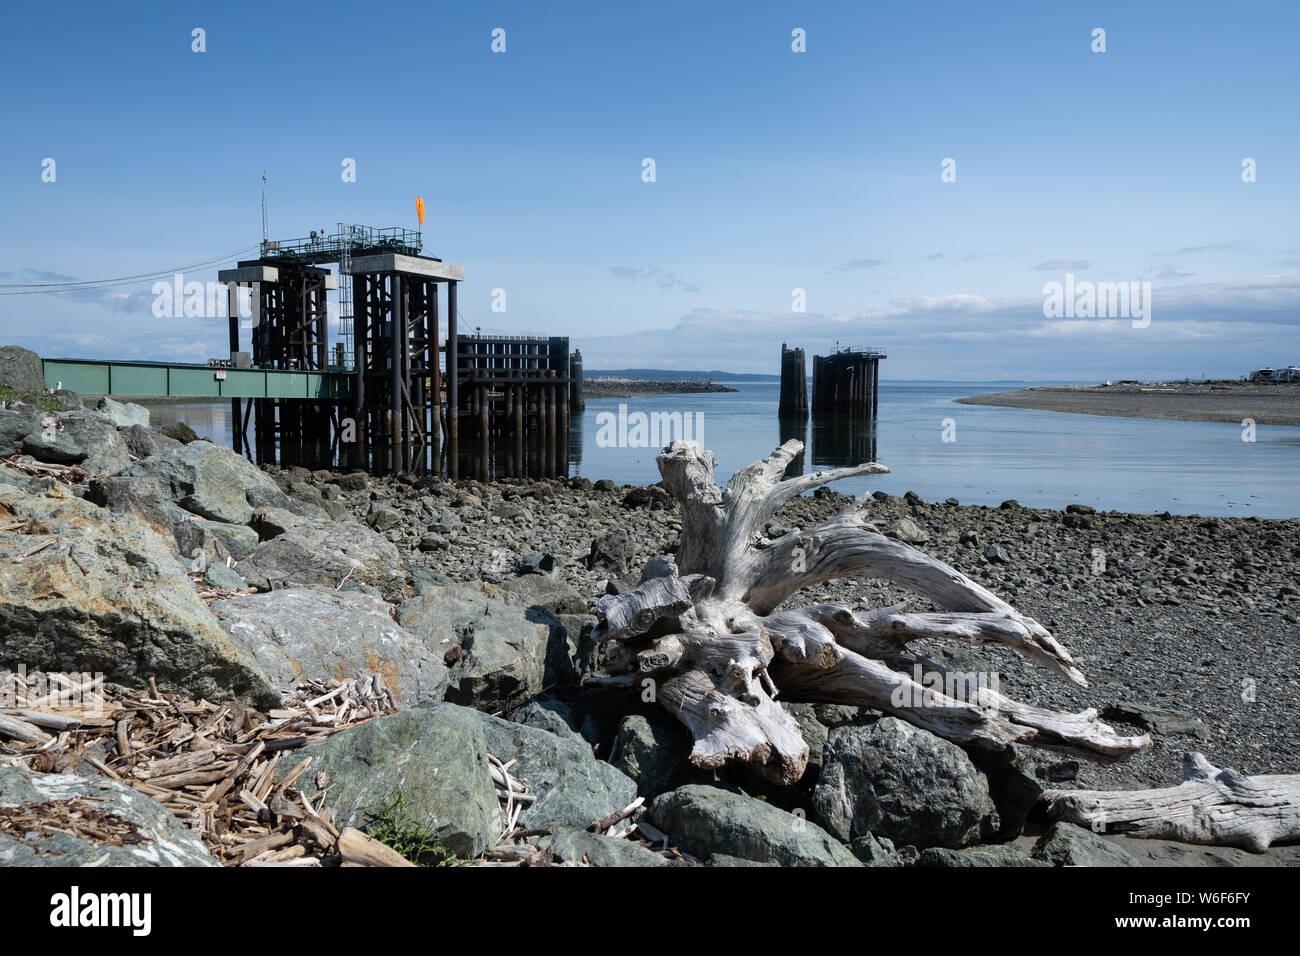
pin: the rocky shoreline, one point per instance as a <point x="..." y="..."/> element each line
<point x="1265" y="404"/>
<point x="186" y="574"/>
<point x="612" y="388"/>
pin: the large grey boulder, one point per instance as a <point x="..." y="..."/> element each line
<point x="109" y="595"/>
<point x="214" y="482"/>
<point x="874" y="852"/>
<point x="1003" y="854"/>
<point x="15" y="425"/>
<point x="435" y="757"/>
<point x="314" y="632"/>
<point x="1064" y="844"/>
<point x="500" y="654"/>
<point x="573" y="788"/>
<point x="149" y="834"/>
<point x="142" y="497"/>
<point x="705" y="820"/>
<point x="652" y="754"/>
<point x="145" y="443"/>
<point x="904" y="783"/>
<point x="327" y="553"/>
<point x="22" y="370"/>
<point x="549" y="715"/>
<point x="123" y="414"/>
<point x="535" y="590"/>
<point x="79" y="437"/>
<point x="221" y="539"/>
<point x="568" y="845"/>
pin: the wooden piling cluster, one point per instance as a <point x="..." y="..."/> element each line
<point x="794" y="383"/>
<point x="290" y="331"/>
<point x="847" y="382"/>
<point x="515" y="395"/>
<point x="397" y="399"/>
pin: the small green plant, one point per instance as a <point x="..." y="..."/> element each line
<point x="8" y="395"/>
<point x="393" y="826"/>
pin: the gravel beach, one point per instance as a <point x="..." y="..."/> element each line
<point x="1195" y="616"/>
<point x="1266" y="404"/>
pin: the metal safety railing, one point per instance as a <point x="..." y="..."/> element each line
<point x="352" y="240"/>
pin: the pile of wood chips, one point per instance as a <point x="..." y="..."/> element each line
<point x="213" y="765"/>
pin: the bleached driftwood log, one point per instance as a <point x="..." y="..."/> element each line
<point x="1212" y="807"/>
<point x="707" y="633"/>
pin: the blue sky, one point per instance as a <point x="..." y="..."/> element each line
<point x="775" y="170"/>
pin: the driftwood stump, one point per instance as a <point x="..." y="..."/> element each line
<point x="704" y="631"/>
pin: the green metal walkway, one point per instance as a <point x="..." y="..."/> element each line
<point x="156" y="380"/>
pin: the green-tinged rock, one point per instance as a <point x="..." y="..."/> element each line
<point x="901" y="782"/>
<point x="109" y="595"/>
<point x="326" y="553"/>
<point x="998" y="855"/>
<point x="909" y="532"/>
<point x="573" y="788"/>
<point x="704" y="821"/>
<point x="1065" y="844"/>
<point x="140" y="496"/>
<point x="79" y="437"/>
<point x="180" y="432"/>
<point x="434" y="756"/>
<point x="236" y="540"/>
<point x="21" y="370"/>
<point x="549" y="715"/>
<point x="15" y="425"/>
<point x="874" y="852"/>
<point x="148" y="833"/>
<point x="214" y="482"/>
<point x="310" y="633"/>
<point x="725" y="859"/>
<point x="123" y="414"/>
<point x="653" y="755"/>
<point x="218" y="575"/>
<point x="570" y="845"/>
<point x="144" y="443"/>
<point x="500" y="654"/>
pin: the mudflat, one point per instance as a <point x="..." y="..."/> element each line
<point x="1265" y="404"/>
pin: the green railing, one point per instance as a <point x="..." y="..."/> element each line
<point x="155" y="380"/>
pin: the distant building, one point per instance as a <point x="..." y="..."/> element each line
<point x="1289" y="374"/>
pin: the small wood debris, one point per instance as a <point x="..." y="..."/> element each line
<point x="77" y="816"/>
<point x="212" y="764"/>
<point x="68" y="474"/>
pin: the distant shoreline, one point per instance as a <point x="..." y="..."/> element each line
<point x="1265" y="404"/>
<point x="620" y="389"/>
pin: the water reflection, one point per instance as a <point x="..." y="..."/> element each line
<point x="830" y="441"/>
<point x="489" y="457"/>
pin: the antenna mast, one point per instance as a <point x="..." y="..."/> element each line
<point x="264" y="234"/>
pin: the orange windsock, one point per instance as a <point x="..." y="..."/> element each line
<point x="419" y="208"/>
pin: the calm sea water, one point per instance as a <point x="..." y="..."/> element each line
<point x="1043" y="459"/>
